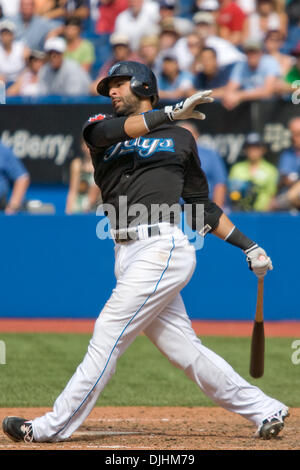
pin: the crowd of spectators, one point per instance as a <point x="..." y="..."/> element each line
<point x="244" y="50"/>
<point x="241" y="49"/>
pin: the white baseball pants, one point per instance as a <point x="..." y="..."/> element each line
<point x="150" y="275"/>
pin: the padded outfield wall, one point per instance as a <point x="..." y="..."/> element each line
<point x="55" y="266"/>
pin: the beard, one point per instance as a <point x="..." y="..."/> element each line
<point x="127" y="105"/>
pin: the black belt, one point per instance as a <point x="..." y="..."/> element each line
<point x="129" y="234"/>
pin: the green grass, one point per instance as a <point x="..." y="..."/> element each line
<point x="38" y="367"/>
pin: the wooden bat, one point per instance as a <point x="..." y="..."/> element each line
<point x="258" y="335"/>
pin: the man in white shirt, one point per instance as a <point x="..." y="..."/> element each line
<point x="140" y="19"/>
<point x="205" y="27"/>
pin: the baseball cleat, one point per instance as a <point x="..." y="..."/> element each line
<point x="18" y="429"/>
<point x="272" y="425"/>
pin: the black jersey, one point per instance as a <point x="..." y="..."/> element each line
<point x="158" y="169"/>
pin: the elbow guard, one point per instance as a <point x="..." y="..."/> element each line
<point x="106" y="132"/>
<point x="212" y="214"/>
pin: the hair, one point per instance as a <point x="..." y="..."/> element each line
<point x="210" y="49"/>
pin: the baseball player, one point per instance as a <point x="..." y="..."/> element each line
<point x="140" y="154"/>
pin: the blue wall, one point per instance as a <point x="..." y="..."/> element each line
<point x="55" y="266"/>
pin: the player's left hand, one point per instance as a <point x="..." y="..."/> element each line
<point x="258" y="261"/>
<point x="187" y="109"/>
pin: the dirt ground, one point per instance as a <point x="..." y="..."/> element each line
<point x="161" y="428"/>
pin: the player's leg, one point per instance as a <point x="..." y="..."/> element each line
<point x="151" y="273"/>
<point x="172" y="333"/>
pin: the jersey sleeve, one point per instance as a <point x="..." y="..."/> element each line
<point x="203" y="214"/>
<point x="104" y="130"/>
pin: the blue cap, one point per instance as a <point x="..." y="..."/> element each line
<point x="254" y="138"/>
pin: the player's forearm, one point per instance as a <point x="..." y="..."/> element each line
<point x="227" y="231"/>
<point x="256" y="94"/>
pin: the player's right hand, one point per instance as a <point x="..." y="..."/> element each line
<point x="258" y="261"/>
<point x="186" y="109"/>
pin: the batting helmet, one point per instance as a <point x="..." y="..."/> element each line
<point x="142" y="79"/>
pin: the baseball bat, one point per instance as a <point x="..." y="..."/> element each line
<point x="257" y="356"/>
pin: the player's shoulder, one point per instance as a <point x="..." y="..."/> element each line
<point x="94" y="119"/>
<point x="98" y="118"/>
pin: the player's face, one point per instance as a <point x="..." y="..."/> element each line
<point x="123" y="100"/>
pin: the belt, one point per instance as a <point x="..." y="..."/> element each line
<point x="140" y="232"/>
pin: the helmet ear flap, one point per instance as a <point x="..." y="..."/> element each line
<point x="143" y="90"/>
<point x="140" y="88"/>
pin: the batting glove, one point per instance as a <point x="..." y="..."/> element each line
<point x="258" y="261"/>
<point x="187" y="109"/>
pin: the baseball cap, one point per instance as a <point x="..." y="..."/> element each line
<point x="117" y="39"/>
<point x="254" y="138"/>
<point x="210" y="5"/>
<point x="55" y="44"/>
<point x="170" y="4"/>
<point x="150" y="40"/>
<point x="36" y="54"/>
<point x="252" y="45"/>
<point x="6" y="25"/>
<point x="169" y="55"/>
<point x="203" y="17"/>
<point x="167" y="25"/>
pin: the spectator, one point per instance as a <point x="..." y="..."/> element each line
<point x="253" y="182"/>
<point x="206" y="29"/>
<point x="172" y="83"/>
<point x="289" y="170"/>
<point x="272" y="45"/>
<point x="167" y="10"/>
<point x="264" y="19"/>
<point x="148" y="52"/>
<point x="78" y="8"/>
<point x="213" y="167"/>
<point x="79" y="49"/>
<point x="168" y="34"/>
<point x="211" y="77"/>
<point x="293" y="12"/>
<point x="290" y="81"/>
<point x="27" y="82"/>
<point x="121" y="51"/>
<point x="30" y="28"/>
<point x="139" y="19"/>
<point x="206" y="5"/>
<point x="62" y="9"/>
<point x="231" y="21"/>
<point x="10" y="7"/>
<point x="84" y="194"/>
<point x="14" y="177"/>
<point x="62" y="76"/>
<point x="108" y="12"/>
<point x="194" y="45"/>
<point x="248" y="6"/>
<point x="254" y="79"/>
<point x="51" y="9"/>
<point x="12" y="53"/>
